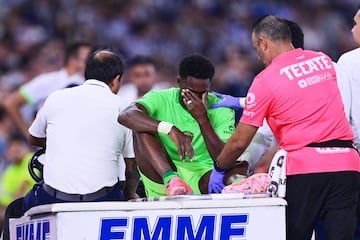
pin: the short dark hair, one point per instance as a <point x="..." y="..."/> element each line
<point x="273" y="27"/>
<point x="196" y="66"/>
<point x="140" y="60"/>
<point x="104" y="65"/>
<point x="297" y="34"/>
<point x="72" y="50"/>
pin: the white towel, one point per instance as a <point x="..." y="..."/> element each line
<point x="277" y="172"/>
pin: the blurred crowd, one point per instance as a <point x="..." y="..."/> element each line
<point x="33" y="35"/>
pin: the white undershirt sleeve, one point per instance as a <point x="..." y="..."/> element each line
<point x="38" y="127"/>
<point x="343" y="81"/>
<point x="128" y="150"/>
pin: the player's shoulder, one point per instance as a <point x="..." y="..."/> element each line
<point x="351" y="56"/>
<point x="267" y="74"/>
<point x="172" y="90"/>
<point x="263" y="74"/>
<point x="211" y="99"/>
<point x="311" y="53"/>
<point x="127" y="87"/>
<point x="43" y="80"/>
<point x="164" y="93"/>
<point x="48" y="75"/>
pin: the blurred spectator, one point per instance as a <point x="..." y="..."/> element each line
<point x="5" y="130"/>
<point x="167" y="30"/>
<point x="234" y="77"/>
<point x="15" y="181"/>
<point x="38" y="89"/>
<point x="350" y="61"/>
<point x="32" y="34"/>
<point x="141" y="77"/>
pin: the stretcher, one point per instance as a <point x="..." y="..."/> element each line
<point x="212" y="216"/>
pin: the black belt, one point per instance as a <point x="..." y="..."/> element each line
<point x="79" y="197"/>
<point x="333" y="143"/>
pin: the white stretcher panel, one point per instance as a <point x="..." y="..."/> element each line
<point x="184" y="217"/>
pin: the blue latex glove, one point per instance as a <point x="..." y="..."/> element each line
<point x="227" y="101"/>
<point x="216" y="181"/>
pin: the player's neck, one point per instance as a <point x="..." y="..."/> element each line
<point x="280" y="49"/>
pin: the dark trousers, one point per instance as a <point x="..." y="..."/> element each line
<point x="357" y="231"/>
<point x="38" y="196"/>
<point x="319" y="230"/>
<point x="14" y="210"/>
<point x="331" y="198"/>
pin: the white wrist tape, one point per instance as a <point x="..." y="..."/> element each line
<point x="164" y="127"/>
<point x="242" y="102"/>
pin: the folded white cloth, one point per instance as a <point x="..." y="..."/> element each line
<point x="277" y="172"/>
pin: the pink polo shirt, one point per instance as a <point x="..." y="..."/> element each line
<point x="298" y="95"/>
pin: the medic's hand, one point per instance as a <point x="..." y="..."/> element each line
<point x="182" y="142"/>
<point x="227" y="101"/>
<point x="216" y="182"/>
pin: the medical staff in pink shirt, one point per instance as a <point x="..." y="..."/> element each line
<point x="297" y="94"/>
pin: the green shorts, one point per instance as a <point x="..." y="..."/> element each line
<point x="190" y="172"/>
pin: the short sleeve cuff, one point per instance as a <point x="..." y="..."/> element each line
<point x="26" y="95"/>
<point x="145" y="105"/>
<point x="128" y="155"/>
<point x="35" y="133"/>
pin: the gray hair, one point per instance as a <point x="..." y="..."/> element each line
<point x="273" y="27"/>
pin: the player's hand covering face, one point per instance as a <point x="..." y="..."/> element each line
<point x="195" y="103"/>
<point x="194" y="96"/>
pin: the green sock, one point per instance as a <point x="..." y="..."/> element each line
<point x="168" y="175"/>
<point x="239" y="179"/>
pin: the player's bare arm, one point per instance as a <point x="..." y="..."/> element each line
<point x="265" y="161"/>
<point x="132" y="179"/>
<point x="236" y="145"/>
<point x="13" y="104"/>
<point x="40" y="142"/>
<point x="136" y="118"/>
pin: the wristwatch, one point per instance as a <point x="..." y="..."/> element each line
<point x="217" y="167"/>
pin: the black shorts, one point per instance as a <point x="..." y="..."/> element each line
<point x="332" y="197"/>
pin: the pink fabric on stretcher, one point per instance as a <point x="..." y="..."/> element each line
<point x="257" y="183"/>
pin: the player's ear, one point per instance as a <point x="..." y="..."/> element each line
<point x="181" y="82"/>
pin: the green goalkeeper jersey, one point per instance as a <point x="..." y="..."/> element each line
<point x="164" y="105"/>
